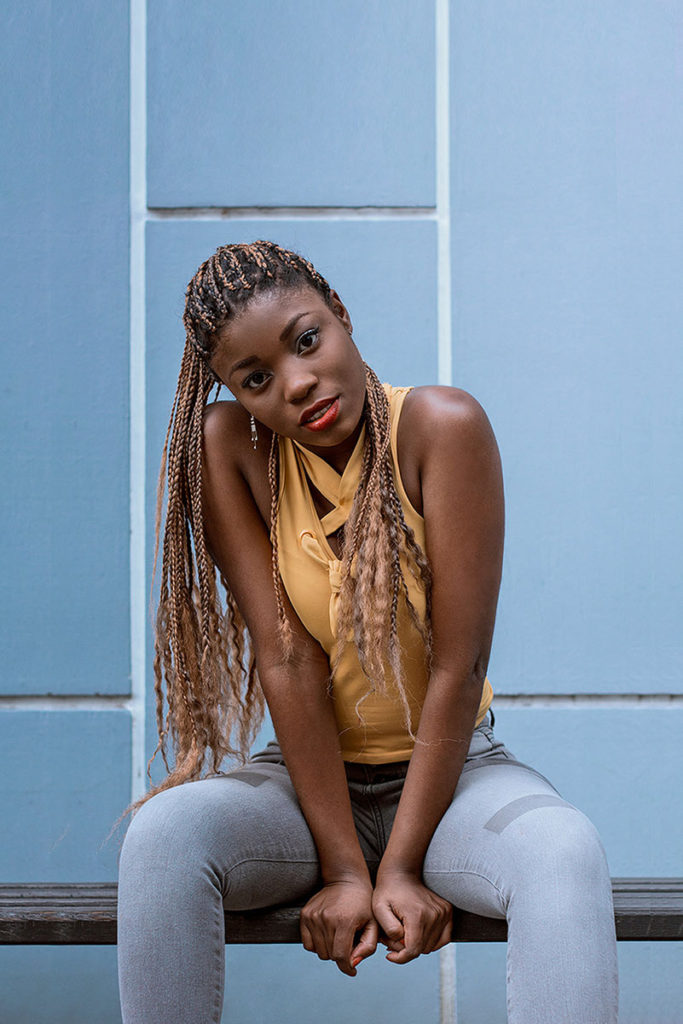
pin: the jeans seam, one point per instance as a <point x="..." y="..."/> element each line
<point x="464" y="871"/>
<point x="262" y="860"/>
<point x="219" y="954"/>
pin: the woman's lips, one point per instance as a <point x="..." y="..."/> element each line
<point x="325" y="414"/>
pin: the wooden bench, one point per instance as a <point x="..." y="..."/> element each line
<point x="646" y="909"/>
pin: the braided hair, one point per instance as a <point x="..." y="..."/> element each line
<point x="212" y="705"/>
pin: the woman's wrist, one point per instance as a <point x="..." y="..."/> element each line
<point x="392" y="868"/>
<point x="346" y="870"/>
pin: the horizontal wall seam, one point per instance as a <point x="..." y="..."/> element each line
<point x="105" y="702"/>
<point x="586" y="699"/>
<point x="291" y="213"/>
<point x="101" y="702"/>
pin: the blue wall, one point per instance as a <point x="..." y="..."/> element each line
<point x="565" y="220"/>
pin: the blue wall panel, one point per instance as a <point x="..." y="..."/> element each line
<point x="274" y="103"/>
<point x="64" y="417"/>
<point x="567" y="258"/>
<point x="59" y="985"/>
<point x="66" y="780"/>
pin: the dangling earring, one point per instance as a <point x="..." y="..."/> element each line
<point x="254" y="435"/>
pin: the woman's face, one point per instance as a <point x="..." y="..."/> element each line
<point x="289" y="359"/>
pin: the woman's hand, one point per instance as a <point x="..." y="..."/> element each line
<point x="332" y="919"/>
<point x="413" y="918"/>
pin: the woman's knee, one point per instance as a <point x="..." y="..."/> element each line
<point x="564" y="850"/>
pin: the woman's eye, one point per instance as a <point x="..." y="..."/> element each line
<point x="255" y="380"/>
<point x="307" y="341"/>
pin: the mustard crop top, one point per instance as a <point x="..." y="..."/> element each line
<point x="311" y="573"/>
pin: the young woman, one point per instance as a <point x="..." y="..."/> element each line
<point x="357" y="532"/>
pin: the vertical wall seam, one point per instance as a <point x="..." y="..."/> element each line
<point x="448" y="1010"/>
<point x="443" y="202"/>
<point x="138" y="206"/>
<point x="448" y="1007"/>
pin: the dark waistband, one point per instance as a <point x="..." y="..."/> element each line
<point x="375" y="773"/>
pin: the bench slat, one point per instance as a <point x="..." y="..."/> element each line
<point x="85" y="914"/>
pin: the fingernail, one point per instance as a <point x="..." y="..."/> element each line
<point x="356" y="960"/>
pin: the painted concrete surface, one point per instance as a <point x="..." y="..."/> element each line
<point x="284" y="104"/>
<point x="64" y="412"/>
<point x="59" y="985"/>
<point x="66" y="780"/>
<point x="567" y="254"/>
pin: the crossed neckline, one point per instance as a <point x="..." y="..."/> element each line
<point x="337" y="488"/>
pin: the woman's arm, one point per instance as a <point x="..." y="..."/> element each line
<point x="450" y="441"/>
<point x="296" y="690"/>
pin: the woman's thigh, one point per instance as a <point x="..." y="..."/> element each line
<point x="243" y="832"/>
<point x="507" y="830"/>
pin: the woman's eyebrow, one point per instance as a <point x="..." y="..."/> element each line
<point x="242" y="363"/>
<point x="290" y="324"/>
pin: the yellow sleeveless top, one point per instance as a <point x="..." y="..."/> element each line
<point x="374" y="730"/>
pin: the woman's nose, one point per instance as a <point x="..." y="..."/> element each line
<point x="299" y="385"/>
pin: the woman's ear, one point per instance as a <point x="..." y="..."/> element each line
<point x="340" y="310"/>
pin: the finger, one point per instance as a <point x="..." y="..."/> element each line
<point x="433" y="935"/>
<point x="315" y="934"/>
<point x="306" y="937"/>
<point x="446" y="933"/>
<point x="342" y="942"/>
<point x="394" y="944"/>
<point x="367" y="943"/>
<point x="390" y="923"/>
<point x="439" y="923"/>
<point x="413" y="942"/>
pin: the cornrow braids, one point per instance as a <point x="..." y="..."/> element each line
<point x="209" y="703"/>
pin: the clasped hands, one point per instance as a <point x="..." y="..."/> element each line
<point x="347" y="918"/>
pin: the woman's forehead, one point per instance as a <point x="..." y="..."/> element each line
<point x="271" y="312"/>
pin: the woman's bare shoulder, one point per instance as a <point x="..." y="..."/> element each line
<point x="435" y="406"/>
<point x="227" y="423"/>
<point x="228" y="448"/>
<point x="438" y="424"/>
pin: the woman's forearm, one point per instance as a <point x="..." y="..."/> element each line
<point x="443" y="739"/>
<point x="303" y="717"/>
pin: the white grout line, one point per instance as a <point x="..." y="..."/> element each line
<point x="448" y="985"/>
<point x="292" y="213"/>
<point x="576" y="702"/>
<point x="39" y="702"/>
<point x="138" y="211"/>
<point x="582" y="701"/>
<point x="448" y="1002"/>
<point x="443" y="199"/>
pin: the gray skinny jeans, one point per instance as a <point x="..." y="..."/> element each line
<point x="508" y="847"/>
